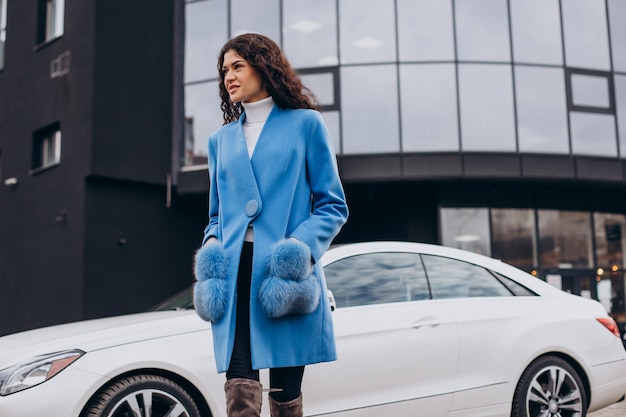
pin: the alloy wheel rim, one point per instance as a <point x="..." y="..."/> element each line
<point x="553" y="392"/>
<point x="149" y="403"/>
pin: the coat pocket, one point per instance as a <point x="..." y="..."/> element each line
<point x="290" y="287"/>
<point x="210" y="292"/>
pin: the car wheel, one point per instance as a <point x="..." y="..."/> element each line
<point x="142" y="395"/>
<point x="550" y="387"/>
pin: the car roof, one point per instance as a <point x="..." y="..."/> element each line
<point x="342" y="251"/>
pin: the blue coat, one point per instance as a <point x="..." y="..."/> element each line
<point x="289" y="188"/>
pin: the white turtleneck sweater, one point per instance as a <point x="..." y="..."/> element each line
<point x="256" y="115"/>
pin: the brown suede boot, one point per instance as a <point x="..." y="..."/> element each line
<point x="291" y="408"/>
<point x="243" y="397"/>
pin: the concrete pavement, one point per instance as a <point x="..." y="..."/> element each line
<point x="616" y="410"/>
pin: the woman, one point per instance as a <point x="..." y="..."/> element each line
<point x="275" y="204"/>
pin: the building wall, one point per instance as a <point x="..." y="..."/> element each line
<point x="133" y="88"/>
<point x="42" y="227"/>
<point x="99" y="232"/>
<point x="138" y="251"/>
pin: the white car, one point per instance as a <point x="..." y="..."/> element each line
<point x="421" y="330"/>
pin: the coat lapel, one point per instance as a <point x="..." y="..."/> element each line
<point x="265" y="156"/>
<point x="240" y="160"/>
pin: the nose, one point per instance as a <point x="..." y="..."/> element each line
<point x="229" y="75"/>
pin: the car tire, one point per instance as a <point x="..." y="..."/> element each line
<point x="550" y="387"/>
<point x="142" y="395"/>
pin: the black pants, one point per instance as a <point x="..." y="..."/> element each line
<point x="287" y="380"/>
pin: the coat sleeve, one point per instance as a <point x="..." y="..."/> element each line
<point x="329" y="211"/>
<point x="211" y="228"/>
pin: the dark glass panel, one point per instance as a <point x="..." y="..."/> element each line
<point x="565" y="239"/>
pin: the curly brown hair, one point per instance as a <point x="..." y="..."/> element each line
<point x="278" y="77"/>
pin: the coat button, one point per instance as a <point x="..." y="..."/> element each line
<point x="252" y="208"/>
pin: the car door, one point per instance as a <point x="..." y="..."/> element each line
<point x="397" y="349"/>
<point x="489" y="310"/>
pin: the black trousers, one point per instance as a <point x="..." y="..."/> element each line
<point x="286" y="381"/>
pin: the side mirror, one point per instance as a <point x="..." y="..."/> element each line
<point x="331" y="301"/>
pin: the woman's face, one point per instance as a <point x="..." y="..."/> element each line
<point x="242" y="81"/>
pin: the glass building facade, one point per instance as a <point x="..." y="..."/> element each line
<point x="398" y="76"/>
<point x="427" y="81"/>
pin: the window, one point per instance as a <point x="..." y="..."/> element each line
<point x="610" y="238"/>
<point x="369" y="96"/>
<point x="482" y="30"/>
<point x="377" y="278"/>
<point x="513" y="237"/>
<point x="586" y="34"/>
<point x="202" y="116"/>
<point x="46" y="147"/>
<point x="367" y="33"/>
<point x="516" y="288"/>
<point x="260" y="16"/>
<point x="536" y="29"/>
<point x="451" y="278"/>
<point x="205" y="33"/>
<point x="620" y="108"/>
<point x="565" y="239"/>
<point x="590" y="91"/>
<point x="429" y="107"/>
<point x="310" y="33"/>
<point x="3" y="30"/>
<point x="425" y="30"/>
<point x="541" y="110"/>
<point x="591" y="100"/>
<point x="466" y="228"/>
<point x="617" y="16"/>
<point x="593" y="134"/>
<point x="486" y="101"/>
<point x="51" y="20"/>
<point x="323" y="82"/>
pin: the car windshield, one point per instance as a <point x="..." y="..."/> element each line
<point x="180" y="301"/>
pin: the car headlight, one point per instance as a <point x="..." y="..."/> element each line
<point x="35" y="371"/>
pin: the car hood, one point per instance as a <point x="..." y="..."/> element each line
<point x="90" y="335"/>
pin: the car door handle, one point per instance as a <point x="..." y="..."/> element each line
<point x="429" y="321"/>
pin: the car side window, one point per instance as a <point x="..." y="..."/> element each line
<point x="451" y="278"/>
<point x="377" y="278"/>
<point x="514" y="287"/>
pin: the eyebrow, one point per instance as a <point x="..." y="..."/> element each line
<point x="234" y="63"/>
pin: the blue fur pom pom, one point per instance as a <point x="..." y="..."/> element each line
<point x="211" y="261"/>
<point x="209" y="293"/>
<point x="290" y="259"/>
<point x="281" y="297"/>
<point x="209" y="298"/>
